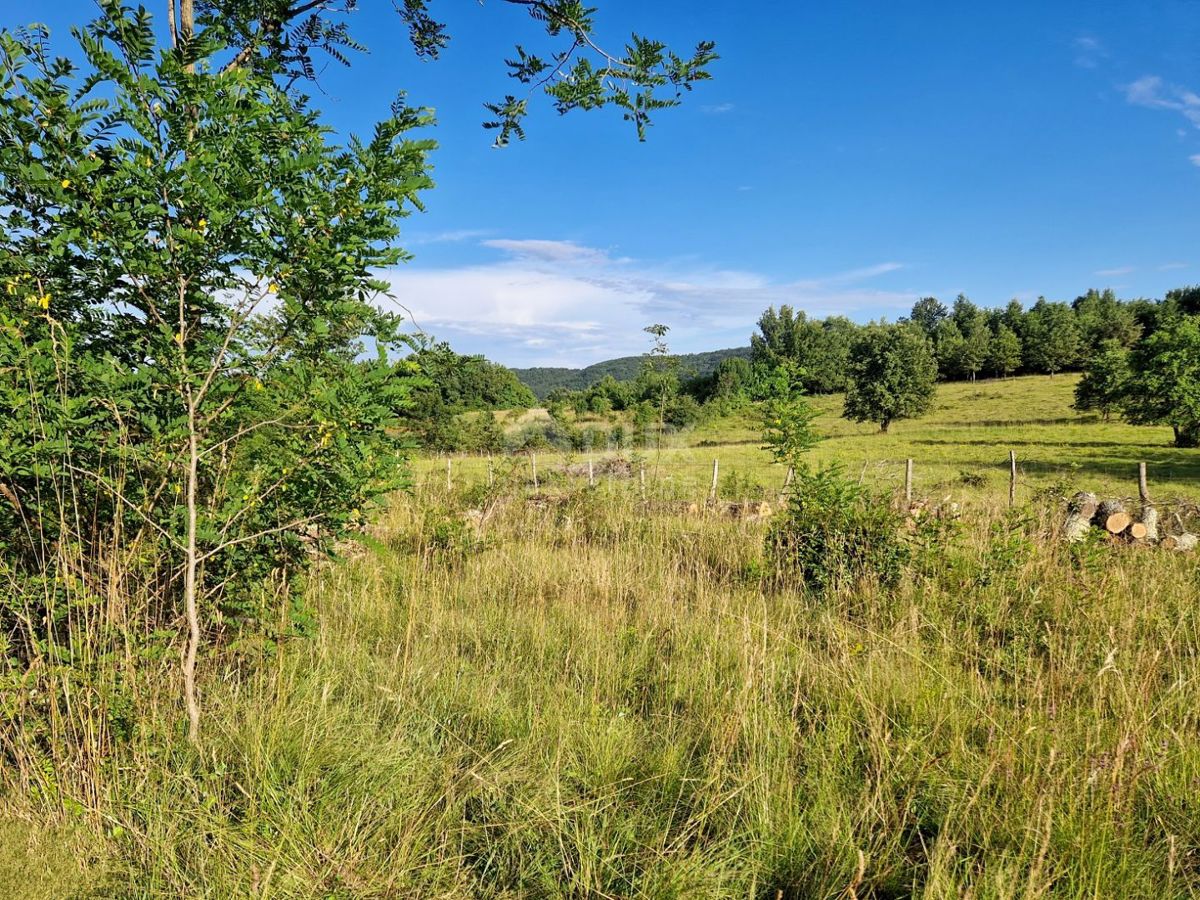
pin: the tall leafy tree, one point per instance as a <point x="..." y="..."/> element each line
<point x="1105" y="380"/>
<point x="892" y="374"/>
<point x="972" y="325"/>
<point x="927" y="313"/>
<point x="1164" y="388"/>
<point x="1004" y="351"/>
<point x="1051" y="337"/>
<point x="195" y="372"/>
<point x="1103" y="318"/>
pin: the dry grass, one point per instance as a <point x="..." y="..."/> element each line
<point x="588" y="696"/>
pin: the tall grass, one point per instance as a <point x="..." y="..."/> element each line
<point x="585" y="697"/>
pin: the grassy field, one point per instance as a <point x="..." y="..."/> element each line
<point x="968" y="433"/>
<point x="579" y="695"/>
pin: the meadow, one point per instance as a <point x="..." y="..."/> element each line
<point x="574" y="693"/>
<point x="961" y="447"/>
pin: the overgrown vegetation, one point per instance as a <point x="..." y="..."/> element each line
<point x="600" y="699"/>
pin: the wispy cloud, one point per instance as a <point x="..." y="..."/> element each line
<point x="1194" y="159"/>
<point x="1089" y="51"/>
<point x="1152" y="92"/>
<point x="717" y="109"/>
<point x="551" y="302"/>
<point x="1110" y="273"/>
<point x="1172" y="266"/>
<point x="446" y="237"/>
<point x="548" y="251"/>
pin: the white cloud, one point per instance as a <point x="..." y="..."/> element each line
<point x="717" y="109"/>
<point x="562" y="303"/>
<point x="548" y="251"/>
<point x="1171" y="266"/>
<point x="1089" y="51"/>
<point x="1195" y="159"/>
<point x="1108" y="273"/>
<point x="445" y="237"/>
<point x="1152" y="92"/>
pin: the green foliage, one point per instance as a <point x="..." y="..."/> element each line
<point x="892" y="375"/>
<point x="451" y="385"/>
<point x="188" y="408"/>
<point x="787" y="416"/>
<point x="820" y="349"/>
<point x="1103" y="318"/>
<point x="1051" y="337"/>
<point x="834" y="532"/>
<point x="928" y="313"/>
<point x="1105" y="380"/>
<point x="288" y="39"/>
<point x="1004" y="351"/>
<point x="543" y="380"/>
<point x="1165" y="385"/>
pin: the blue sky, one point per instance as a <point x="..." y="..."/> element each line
<point x="847" y="158"/>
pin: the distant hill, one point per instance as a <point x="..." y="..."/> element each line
<point x="542" y="380"/>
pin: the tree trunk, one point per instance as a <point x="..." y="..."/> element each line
<point x="883" y="426"/>
<point x="1187" y="437"/>
<point x="191" y="566"/>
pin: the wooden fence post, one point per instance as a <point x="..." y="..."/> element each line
<point x="642" y="478"/>
<point x="1149" y="513"/>
<point x="908" y="475"/>
<point x="491" y="472"/>
<point x="449" y="480"/>
<point x="591" y="472"/>
<point x="533" y="463"/>
<point x="712" y="492"/>
<point x="1012" y="477"/>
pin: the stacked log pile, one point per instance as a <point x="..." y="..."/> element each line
<point x="1086" y="512"/>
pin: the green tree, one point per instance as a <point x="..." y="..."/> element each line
<point x="1051" y="337"/>
<point x="208" y="307"/>
<point x="892" y="375"/>
<point x="1102" y="318"/>
<point x="787" y="416"/>
<point x="1004" y="351"/>
<point x="1165" y="386"/>
<point x="927" y="313"/>
<point x="948" y="344"/>
<point x="1105" y="380"/>
<point x="195" y="375"/>
<point x="972" y="325"/>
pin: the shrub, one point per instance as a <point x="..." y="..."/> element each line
<point x="834" y="532"/>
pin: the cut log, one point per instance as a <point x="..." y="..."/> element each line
<point x="1117" y="522"/>
<point x="1080" y="510"/>
<point x="1111" y="516"/>
<point x="1137" y="531"/>
<point x="1150" y="523"/>
<point x="1182" y="543"/>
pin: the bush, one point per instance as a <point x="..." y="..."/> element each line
<point x="834" y="532"/>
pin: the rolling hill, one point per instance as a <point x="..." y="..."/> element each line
<point x="542" y="380"/>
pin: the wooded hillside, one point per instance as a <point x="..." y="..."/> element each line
<point x="542" y="380"/>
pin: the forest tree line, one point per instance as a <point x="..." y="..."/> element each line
<point x="1106" y="338"/>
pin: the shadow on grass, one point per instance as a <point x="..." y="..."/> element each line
<point x="1140" y="450"/>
